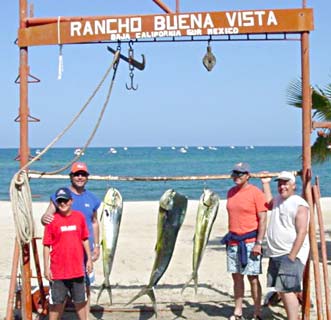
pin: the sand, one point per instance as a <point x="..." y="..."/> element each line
<point x="134" y="260"/>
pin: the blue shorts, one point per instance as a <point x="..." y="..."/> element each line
<point x="285" y="275"/>
<point x="254" y="263"/>
<point x="60" y="289"/>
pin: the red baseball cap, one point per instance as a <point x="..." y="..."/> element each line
<point x="79" y="166"/>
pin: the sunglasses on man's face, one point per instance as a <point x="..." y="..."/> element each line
<point x="237" y="173"/>
<point x="60" y="201"/>
<point x="80" y="173"/>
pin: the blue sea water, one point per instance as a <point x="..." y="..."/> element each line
<point x="151" y="161"/>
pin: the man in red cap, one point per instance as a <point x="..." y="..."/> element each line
<point x="84" y="201"/>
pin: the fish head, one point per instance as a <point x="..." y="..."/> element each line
<point x="167" y="199"/>
<point x="209" y="197"/>
<point x="114" y="198"/>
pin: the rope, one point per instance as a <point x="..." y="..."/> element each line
<point x="114" y="65"/>
<point x="20" y="192"/>
<point x="21" y="200"/>
<point x="60" y="67"/>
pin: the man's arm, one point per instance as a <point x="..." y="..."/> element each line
<point x="48" y="216"/>
<point x="262" y="217"/>
<point x="89" y="264"/>
<point x="96" y="232"/>
<point x="267" y="191"/>
<point x="301" y="226"/>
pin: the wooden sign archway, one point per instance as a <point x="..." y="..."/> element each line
<point x="174" y="26"/>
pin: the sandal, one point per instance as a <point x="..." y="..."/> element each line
<point x="236" y="317"/>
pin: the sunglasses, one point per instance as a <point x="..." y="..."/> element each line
<point x="237" y="173"/>
<point x="59" y="201"/>
<point x="80" y="173"/>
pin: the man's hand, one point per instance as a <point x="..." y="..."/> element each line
<point x="89" y="266"/>
<point x="47" y="218"/>
<point x="96" y="253"/>
<point x="257" y="250"/>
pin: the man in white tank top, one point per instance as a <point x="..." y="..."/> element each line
<point x="287" y="240"/>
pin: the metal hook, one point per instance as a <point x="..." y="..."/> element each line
<point x="131" y="67"/>
<point x="131" y="84"/>
<point x="135" y="63"/>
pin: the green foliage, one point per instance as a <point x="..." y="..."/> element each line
<point x="321" y="106"/>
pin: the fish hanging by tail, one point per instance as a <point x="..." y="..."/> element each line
<point x="172" y="210"/>
<point x="206" y="215"/>
<point x="110" y="221"/>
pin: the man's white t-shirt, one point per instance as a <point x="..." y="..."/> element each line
<point x="281" y="231"/>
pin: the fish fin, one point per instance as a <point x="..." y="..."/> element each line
<point x="148" y="291"/>
<point x="108" y="288"/>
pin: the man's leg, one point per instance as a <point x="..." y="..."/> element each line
<point x="88" y="302"/>
<point x="291" y="305"/>
<point x="238" y="289"/>
<point x="81" y="310"/>
<point x="256" y="294"/>
<point x="55" y="311"/>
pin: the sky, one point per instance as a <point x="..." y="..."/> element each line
<point x="242" y="101"/>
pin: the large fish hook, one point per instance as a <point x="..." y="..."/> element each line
<point x="131" y="68"/>
<point x="132" y="87"/>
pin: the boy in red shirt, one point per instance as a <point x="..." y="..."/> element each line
<point x="65" y="240"/>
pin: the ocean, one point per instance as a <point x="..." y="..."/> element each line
<point x="159" y="161"/>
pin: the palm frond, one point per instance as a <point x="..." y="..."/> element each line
<point x="294" y="93"/>
<point x="320" y="150"/>
<point x="321" y="106"/>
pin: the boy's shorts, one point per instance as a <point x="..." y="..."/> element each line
<point x="284" y="274"/>
<point x="60" y="289"/>
<point x="254" y="263"/>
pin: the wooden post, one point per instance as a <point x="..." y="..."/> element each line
<point x="24" y="158"/>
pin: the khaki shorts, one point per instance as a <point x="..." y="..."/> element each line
<point x="284" y="274"/>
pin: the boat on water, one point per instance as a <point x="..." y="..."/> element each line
<point x="182" y="150"/>
<point x="112" y="150"/>
<point x="78" y="151"/>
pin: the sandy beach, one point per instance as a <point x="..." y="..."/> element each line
<point x="134" y="260"/>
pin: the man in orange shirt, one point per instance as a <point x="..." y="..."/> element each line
<point x="247" y="208"/>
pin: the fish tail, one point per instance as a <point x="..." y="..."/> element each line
<point x="148" y="291"/>
<point x="194" y="277"/>
<point x="108" y="288"/>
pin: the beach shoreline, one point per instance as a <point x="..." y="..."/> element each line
<point x="134" y="259"/>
